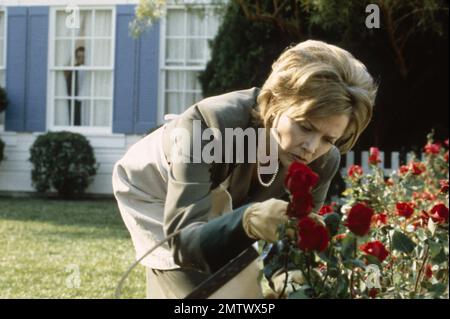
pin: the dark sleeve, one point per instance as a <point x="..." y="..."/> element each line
<point x="205" y="243"/>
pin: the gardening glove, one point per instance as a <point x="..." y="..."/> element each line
<point x="261" y="220"/>
<point x="294" y="281"/>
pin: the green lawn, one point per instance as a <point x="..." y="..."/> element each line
<point x="44" y="242"/>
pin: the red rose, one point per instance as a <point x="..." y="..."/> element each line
<point x="380" y="219"/>
<point x="299" y="181"/>
<point x="446" y="142"/>
<point x="405" y="209"/>
<point x="326" y="209"/>
<point x="422" y="221"/>
<point x="374" y="156"/>
<point x="376" y="249"/>
<point x="431" y="148"/>
<point x="373" y="292"/>
<point x="300" y="205"/>
<point x="404" y="169"/>
<point x="300" y="178"/>
<point x="428" y="271"/>
<point x="355" y="171"/>
<point x="444" y="186"/>
<point x="312" y="235"/>
<point x="359" y="219"/>
<point x="439" y="213"/>
<point x="446" y="156"/>
<point x="417" y="168"/>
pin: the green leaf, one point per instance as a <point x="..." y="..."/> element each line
<point x="438" y="289"/>
<point x="342" y="286"/>
<point x="332" y="221"/>
<point x="440" y="257"/>
<point x="348" y="246"/>
<point x="402" y="243"/>
<point x="373" y="260"/>
<point x="302" y="293"/>
<point x="435" y="248"/>
<point x="354" y="263"/>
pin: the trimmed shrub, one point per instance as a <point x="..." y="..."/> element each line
<point x="64" y="161"/>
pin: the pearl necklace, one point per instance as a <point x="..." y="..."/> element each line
<point x="271" y="180"/>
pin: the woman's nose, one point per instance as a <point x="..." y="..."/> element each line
<point x="311" y="143"/>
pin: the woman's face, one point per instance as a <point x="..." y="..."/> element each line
<point x="306" y="140"/>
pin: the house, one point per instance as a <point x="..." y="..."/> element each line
<point x="74" y="65"/>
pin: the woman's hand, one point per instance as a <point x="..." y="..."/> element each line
<point x="261" y="220"/>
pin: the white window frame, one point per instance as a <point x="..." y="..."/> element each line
<point x="5" y="56"/>
<point x="106" y="130"/>
<point x="162" y="56"/>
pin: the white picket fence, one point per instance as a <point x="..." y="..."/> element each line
<point x="349" y="159"/>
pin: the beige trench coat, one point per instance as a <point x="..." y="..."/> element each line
<point x="157" y="197"/>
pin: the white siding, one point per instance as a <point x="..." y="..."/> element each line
<point x="15" y="169"/>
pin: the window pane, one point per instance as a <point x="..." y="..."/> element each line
<point x="102" y="84"/>
<point x="2" y="78"/>
<point x="198" y="96"/>
<point x="101" y="113"/>
<point x="85" y="29"/>
<point x="213" y="22"/>
<point x="85" y="116"/>
<point x="82" y="83"/>
<point x="103" y="23"/>
<point x="61" y="28"/>
<point x="174" y="103"/>
<point x="192" y="82"/>
<point x="2" y="24"/>
<point x="102" y="56"/>
<point x="196" y="23"/>
<point x="175" y="80"/>
<point x="63" y="83"/>
<point x="62" y="112"/>
<point x="175" y="24"/>
<point x="196" y="51"/>
<point x="175" y="51"/>
<point x="63" y="52"/>
<point x="190" y="99"/>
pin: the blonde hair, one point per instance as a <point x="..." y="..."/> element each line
<point x="319" y="80"/>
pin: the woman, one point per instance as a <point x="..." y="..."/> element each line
<point x="318" y="99"/>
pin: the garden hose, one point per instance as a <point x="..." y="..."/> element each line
<point x="130" y="268"/>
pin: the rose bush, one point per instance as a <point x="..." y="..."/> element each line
<point x="386" y="238"/>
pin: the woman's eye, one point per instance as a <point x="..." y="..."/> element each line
<point x="305" y="128"/>
<point x="329" y="141"/>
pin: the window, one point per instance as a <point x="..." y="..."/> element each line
<point x="81" y="70"/>
<point x="2" y="59"/>
<point x="186" y="32"/>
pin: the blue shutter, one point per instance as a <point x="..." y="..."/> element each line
<point x="148" y="70"/>
<point x="16" y="65"/>
<point x="36" y="98"/>
<point x="26" y="69"/>
<point x="135" y="76"/>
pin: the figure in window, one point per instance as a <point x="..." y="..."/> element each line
<point x="76" y="86"/>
